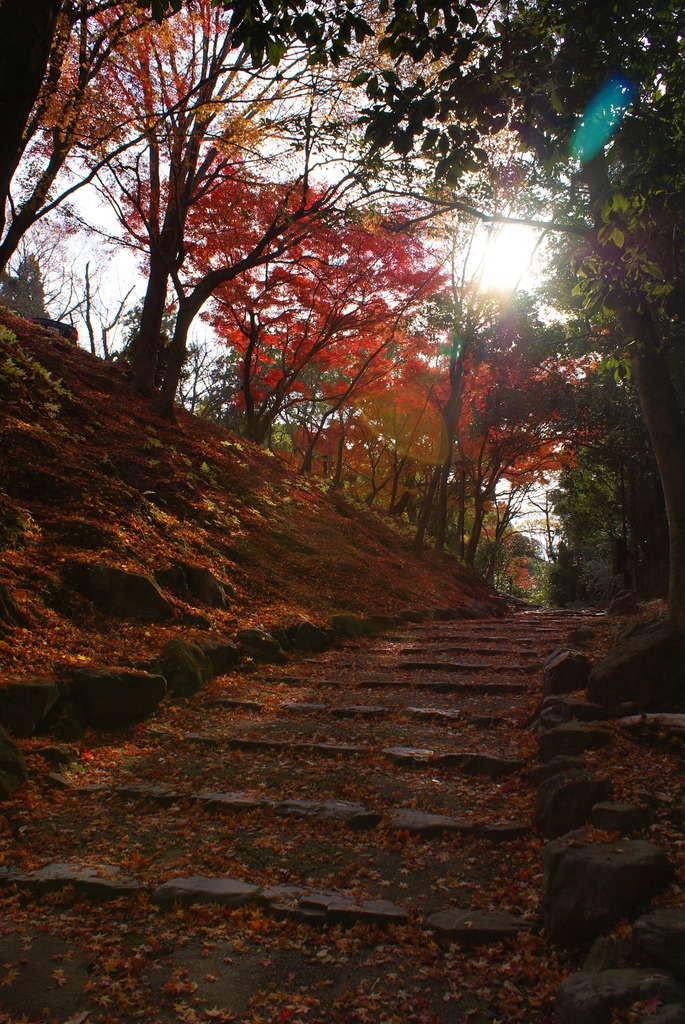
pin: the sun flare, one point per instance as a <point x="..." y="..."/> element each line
<point x="505" y="259"/>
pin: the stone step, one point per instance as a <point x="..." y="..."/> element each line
<point x="353" y="815"/>
<point x="299" y="903"/>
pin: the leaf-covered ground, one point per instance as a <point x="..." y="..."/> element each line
<point x="87" y="473"/>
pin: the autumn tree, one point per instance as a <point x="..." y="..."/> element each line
<point x="70" y="121"/>
<point x="338" y="301"/>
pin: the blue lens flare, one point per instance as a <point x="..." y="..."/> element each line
<point x="601" y="118"/>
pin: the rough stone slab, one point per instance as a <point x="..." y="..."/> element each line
<point x="202" y="739"/>
<point x="157" y="794"/>
<point x="289" y="901"/>
<point x="571" y="738"/>
<point x="238" y="802"/>
<point x="359" y="711"/>
<point x="587" y="888"/>
<point x="227" y="892"/>
<point x="354" y="815"/>
<point x="505" y="831"/>
<point x="60" y="781"/>
<point x="665" y="724"/>
<point x="485" y="721"/>
<point x="440" y="715"/>
<point x="477" y="927"/>
<point x="256" y="743"/>
<point x="409" y="755"/>
<point x="618" y="817"/>
<point x="333" y="749"/>
<point x="419" y="823"/>
<point x="381" y="912"/>
<point x="659" y="938"/>
<point x="235" y="702"/>
<point x="303" y="707"/>
<point x="584" y="998"/>
<point x="102" y="882"/>
<point x="479" y="763"/>
<point x="468" y="686"/>
<point x="460" y="666"/>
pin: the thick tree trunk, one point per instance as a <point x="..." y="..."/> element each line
<point x="163" y="404"/>
<point x="424" y="515"/>
<point x="27" y="28"/>
<point x="476" y="529"/>
<point x="666" y="428"/>
<point x="144" y="362"/>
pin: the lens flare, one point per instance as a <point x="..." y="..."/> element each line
<point x="601" y="118"/>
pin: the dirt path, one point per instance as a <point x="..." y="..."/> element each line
<point x="293" y="845"/>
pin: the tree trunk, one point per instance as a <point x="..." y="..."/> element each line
<point x="144" y="362"/>
<point x="163" y="404"/>
<point x="426" y="510"/>
<point x="441" y="514"/>
<point x="476" y="528"/>
<point x="666" y="428"/>
<point x="27" y="28"/>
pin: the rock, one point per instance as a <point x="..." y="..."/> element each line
<point x="241" y="803"/>
<point x="419" y="823"/>
<point x="347" y="625"/>
<point x="206" y="588"/>
<point x="655" y="725"/>
<point x="411" y="615"/>
<point x="185" y="666"/>
<point x="223" y="655"/>
<point x="505" y="831"/>
<point x="359" y="711"/>
<point x="618" y="817"/>
<point x="194" y="584"/>
<point x="308" y="637"/>
<point x="25" y="705"/>
<point x="557" y="765"/>
<point x="227" y="892"/>
<point x="408" y="755"/>
<point x="571" y="738"/>
<point x="102" y="882"/>
<point x="353" y="815"/>
<point x="607" y="953"/>
<point x="564" y="802"/>
<point x="259" y="645"/>
<point x="624" y="603"/>
<point x="128" y="595"/>
<point x="444" y="614"/>
<point x="480" y="763"/>
<point x="672" y="1014"/>
<point x="477" y="927"/>
<point x="582" y="635"/>
<point x="568" y="709"/>
<point x="659" y="938"/>
<point x="647" y="667"/>
<point x="380" y="912"/>
<point x="379" y="624"/>
<point x="564" y="671"/>
<point x="591" y="998"/>
<point x="12" y="766"/>
<point x="587" y="888"/>
<point x="290" y="901"/>
<point x="58" y="754"/>
<point x="114" y="698"/>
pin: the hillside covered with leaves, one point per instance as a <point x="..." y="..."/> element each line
<point x="88" y="474"/>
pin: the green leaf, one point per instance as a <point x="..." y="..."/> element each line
<point x="618" y="238"/>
